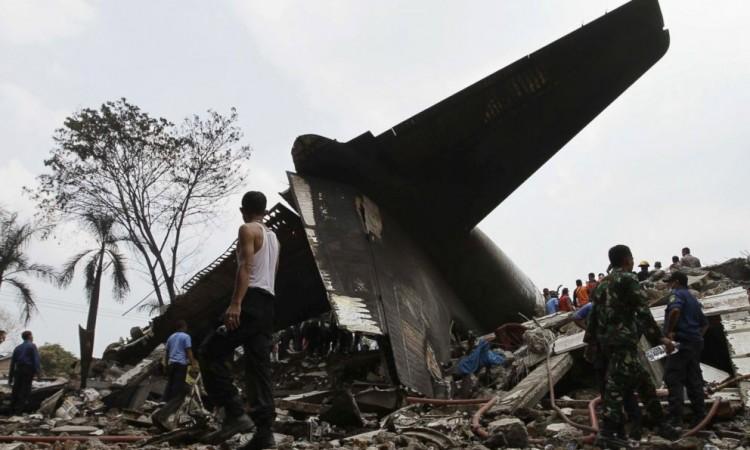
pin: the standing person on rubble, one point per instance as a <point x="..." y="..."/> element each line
<point x="25" y="364"/>
<point x="580" y="295"/>
<point x="595" y="354"/>
<point x="178" y="357"/>
<point x="565" y="304"/>
<point x="553" y="303"/>
<point x="248" y="322"/>
<point x="689" y="260"/>
<point x="675" y="266"/>
<point x="591" y="284"/>
<point x="685" y="323"/>
<point x="644" y="272"/>
<point x="624" y="319"/>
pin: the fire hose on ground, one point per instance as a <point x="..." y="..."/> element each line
<point x="691" y="432"/>
<point x="479" y="431"/>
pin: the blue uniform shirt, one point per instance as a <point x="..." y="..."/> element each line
<point x="27" y="355"/>
<point x="691" y="319"/>
<point x="177" y="346"/>
<point x="583" y="313"/>
<point x="552" y="305"/>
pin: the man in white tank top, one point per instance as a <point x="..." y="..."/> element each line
<point x="248" y="321"/>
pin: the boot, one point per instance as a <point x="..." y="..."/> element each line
<point x="636" y="433"/>
<point x="161" y="422"/>
<point x="262" y="439"/>
<point x="231" y="426"/>
<point x="669" y="431"/>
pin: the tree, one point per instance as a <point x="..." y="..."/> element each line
<point x="56" y="361"/>
<point x="12" y="326"/>
<point x="153" y="177"/>
<point x="105" y="256"/>
<point x="15" y="264"/>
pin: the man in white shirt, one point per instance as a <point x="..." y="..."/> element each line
<point x="247" y="322"/>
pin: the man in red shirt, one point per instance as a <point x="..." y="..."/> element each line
<point x="565" y="304"/>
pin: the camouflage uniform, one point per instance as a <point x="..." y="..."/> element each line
<point x="598" y="357"/>
<point x="620" y="324"/>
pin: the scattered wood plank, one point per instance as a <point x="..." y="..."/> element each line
<point x="534" y="387"/>
<point x="142" y="370"/>
<point x="555" y="320"/>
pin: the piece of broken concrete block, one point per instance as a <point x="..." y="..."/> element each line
<point x="562" y="431"/>
<point x="50" y="405"/>
<point x="496" y="441"/>
<point x="513" y="429"/>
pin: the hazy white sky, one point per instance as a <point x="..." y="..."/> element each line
<point x="663" y="167"/>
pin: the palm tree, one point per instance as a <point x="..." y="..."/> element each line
<point x="105" y="256"/>
<point x="14" y="238"/>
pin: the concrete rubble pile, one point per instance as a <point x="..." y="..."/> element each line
<point x="495" y="392"/>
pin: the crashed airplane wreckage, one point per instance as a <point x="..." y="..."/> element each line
<point x="383" y="228"/>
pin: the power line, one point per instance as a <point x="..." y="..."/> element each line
<point x="76" y="309"/>
<point x="101" y="315"/>
<point x="58" y="301"/>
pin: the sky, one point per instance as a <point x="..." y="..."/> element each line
<point x="663" y="167"/>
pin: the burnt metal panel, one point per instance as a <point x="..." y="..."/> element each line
<point x="377" y="277"/>
<point x="342" y="252"/>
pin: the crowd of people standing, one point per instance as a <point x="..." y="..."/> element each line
<point x="557" y="300"/>
<point x="614" y="312"/>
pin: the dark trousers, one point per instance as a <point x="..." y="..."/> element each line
<point x="174" y="395"/>
<point x="217" y="350"/>
<point x="176" y="386"/>
<point x="22" y="377"/>
<point x="683" y="372"/>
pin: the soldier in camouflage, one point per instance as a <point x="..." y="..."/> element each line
<point x="599" y="359"/>
<point x="622" y="320"/>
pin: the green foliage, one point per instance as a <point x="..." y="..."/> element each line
<point x="152" y="176"/>
<point x="100" y="226"/>
<point x="56" y="361"/>
<point x="14" y="263"/>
